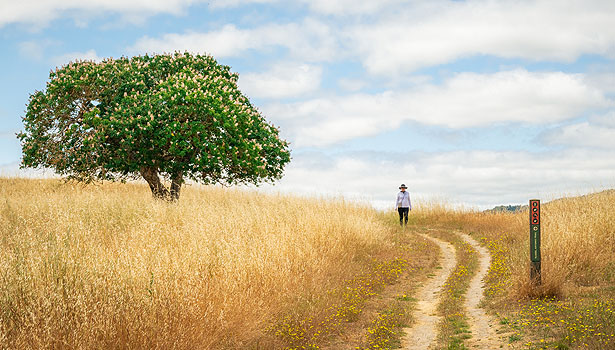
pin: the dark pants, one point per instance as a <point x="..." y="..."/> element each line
<point x="403" y="216"/>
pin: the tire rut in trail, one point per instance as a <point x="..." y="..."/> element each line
<point x="484" y="333"/>
<point x="423" y="332"/>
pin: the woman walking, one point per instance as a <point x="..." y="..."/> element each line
<point x="403" y="205"/>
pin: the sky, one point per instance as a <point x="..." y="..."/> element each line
<point x="475" y="103"/>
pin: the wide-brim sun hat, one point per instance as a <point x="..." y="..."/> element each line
<point x="402" y="186"/>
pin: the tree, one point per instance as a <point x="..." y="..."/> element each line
<point x="163" y="117"/>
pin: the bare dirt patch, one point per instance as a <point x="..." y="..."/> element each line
<point x="484" y="331"/>
<point x="422" y="333"/>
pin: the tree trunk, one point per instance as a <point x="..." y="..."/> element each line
<point x="176" y="186"/>
<point x="159" y="191"/>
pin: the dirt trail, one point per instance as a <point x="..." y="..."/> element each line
<point x="484" y="334"/>
<point x="423" y="332"/>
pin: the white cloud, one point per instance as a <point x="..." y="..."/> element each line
<point x="282" y="81"/>
<point x="431" y="33"/>
<point x="37" y="50"/>
<point x="351" y="7"/>
<point x="33" y="50"/>
<point x="235" y="3"/>
<point x="12" y="170"/>
<point x="400" y="37"/>
<point x="597" y="132"/>
<point x="309" y="40"/>
<point x="607" y="120"/>
<point x="89" y="55"/>
<point x="228" y="41"/>
<point x="351" y="84"/>
<point x="388" y="37"/>
<point x="325" y="7"/>
<point x="482" y="178"/>
<point x="604" y="80"/>
<point x="40" y="13"/>
<point x="465" y="100"/>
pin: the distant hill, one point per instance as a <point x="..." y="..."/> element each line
<point x="508" y="208"/>
<point x="518" y="208"/>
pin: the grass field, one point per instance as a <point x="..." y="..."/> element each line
<point x="108" y="267"/>
<point x="573" y="308"/>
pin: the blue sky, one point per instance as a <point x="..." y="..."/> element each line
<point x="475" y="102"/>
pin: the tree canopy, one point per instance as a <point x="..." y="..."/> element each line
<point x="162" y="117"/>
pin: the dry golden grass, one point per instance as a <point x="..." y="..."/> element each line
<point x="573" y="307"/>
<point x="109" y="267"/>
<point x="578" y="240"/>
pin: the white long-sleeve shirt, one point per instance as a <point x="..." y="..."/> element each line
<point x="403" y="200"/>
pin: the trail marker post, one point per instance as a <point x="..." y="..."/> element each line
<point x="535" y="273"/>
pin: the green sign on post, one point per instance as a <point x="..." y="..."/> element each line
<point x="535" y="241"/>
